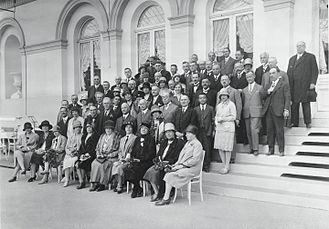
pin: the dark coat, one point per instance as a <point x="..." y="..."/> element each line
<point x="173" y="152"/>
<point x="48" y="140"/>
<point x="205" y="119"/>
<point x="63" y="127"/>
<point x="191" y="94"/>
<point x="259" y="74"/>
<point x="109" y="94"/>
<point x="158" y="102"/>
<point x="115" y="113"/>
<point x="90" y="148"/>
<point x="120" y="121"/>
<point x="239" y="82"/>
<point x="211" y="97"/>
<point x="96" y="121"/>
<point x="215" y="84"/>
<point x="104" y="118"/>
<point x="92" y="90"/>
<point x="227" y="68"/>
<point x="182" y="120"/>
<point x="302" y="73"/>
<point x="70" y="106"/>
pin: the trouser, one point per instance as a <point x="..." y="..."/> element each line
<point x="253" y="126"/>
<point x="207" y="145"/>
<point x="275" y="130"/>
<point x="295" y="113"/>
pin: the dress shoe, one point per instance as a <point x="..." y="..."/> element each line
<point x="281" y="154"/>
<point x="162" y="202"/>
<point x="205" y="170"/>
<point x="154" y="198"/>
<point x="232" y="161"/>
<point x="119" y="190"/>
<point x="94" y="188"/>
<point x="292" y="125"/>
<point x="81" y="185"/>
<point x="100" y="188"/>
<point x="12" y="179"/>
<point x="43" y="181"/>
<point x="256" y="152"/>
<point x="23" y="172"/>
<point x="308" y="126"/>
<point x="31" y="179"/>
<point x="270" y="152"/>
<point x="66" y="183"/>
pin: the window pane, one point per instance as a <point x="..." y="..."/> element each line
<point x="244" y="33"/>
<point x="85" y="66"/>
<point x="90" y="29"/>
<point x="323" y="58"/>
<point x="143" y="47"/>
<point x="160" y="45"/>
<point x="221" y="34"/>
<point x="152" y="15"/>
<point x="222" y="5"/>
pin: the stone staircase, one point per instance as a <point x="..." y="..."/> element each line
<point x="300" y="178"/>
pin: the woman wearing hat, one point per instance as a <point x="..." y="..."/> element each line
<point x="163" y="85"/>
<point x="101" y="167"/>
<point x="167" y="155"/>
<point x="84" y="102"/>
<point x="225" y="128"/>
<point x="71" y="149"/>
<point x="157" y="124"/>
<point x="124" y="151"/>
<point x="86" y="154"/>
<point x="44" y="144"/>
<point x="75" y="117"/>
<point x="187" y="166"/>
<point x="25" y="145"/>
<point x="54" y="157"/>
<point x="142" y="154"/>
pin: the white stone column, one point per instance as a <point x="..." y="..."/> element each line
<point x="115" y="68"/>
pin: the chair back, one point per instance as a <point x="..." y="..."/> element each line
<point x="199" y="177"/>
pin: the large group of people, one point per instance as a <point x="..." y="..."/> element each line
<point x="154" y="126"/>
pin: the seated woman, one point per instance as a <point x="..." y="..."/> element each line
<point x="125" y="148"/>
<point x="44" y="144"/>
<point x="186" y="167"/>
<point x="142" y="154"/>
<point x="25" y="145"/>
<point x="87" y="153"/>
<point x="71" y="149"/>
<point x="167" y="155"/>
<point x="101" y="167"/>
<point x="54" y="157"/>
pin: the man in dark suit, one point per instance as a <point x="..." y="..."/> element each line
<point x="156" y="98"/>
<point x="96" y="87"/>
<point x="133" y="89"/>
<point x="126" y="117"/>
<point x="95" y="119"/>
<point x="214" y="78"/>
<point x="115" y="110"/>
<point x="99" y="102"/>
<point x="239" y="80"/>
<point x="227" y="63"/>
<point x="303" y="73"/>
<point x="64" y="121"/>
<point x="184" y="116"/>
<point x="147" y="92"/>
<point x="186" y="76"/>
<point x="202" y="68"/>
<point x="210" y="93"/>
<point x="168" y="109"/>
<point x="106" y="113"/>
<point x="192" y="89"/>
<point x="205" y="121"/>
<point x="144" y="114"/>
<point x="263" y="68"/>
<point x="266" y="79"/>
<point x="276" y="108"/>
<point x="75" y="99"/>
<point x="107" y="91"/>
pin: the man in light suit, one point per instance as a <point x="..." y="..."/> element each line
<point x="303" y="73"/>
<point x="227" y="63"/>
<point x="252" y="98"/>
<point x="97" y="87"/>
<point x="168" y="109"/>
<point x="144" y="115"/>
<point x="276" y="109"/>
<point x="205" y="122"/>
<point x="126" y="117"/>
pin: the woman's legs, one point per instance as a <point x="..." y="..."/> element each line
<point x="80" y="175"/>
<point x="227" y="159"/>
<point x="155" y="189"/>
<point x="67" y="173"/>
<point x="222" y="158"/>
<point x="167" y="192"/>
<point x="19" y="156"/>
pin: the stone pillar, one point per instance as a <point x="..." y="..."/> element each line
<point x="181" y="38"/>
<point x="115" y="68"/>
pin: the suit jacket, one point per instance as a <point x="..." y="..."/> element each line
<point x="235" y="97"/>
<point x="253" y="101"/>
<point x="215" y="84"/>
<point x="266" y="80"/>
<point x="58" y="144"/>
<point x="227" y="68"/>
<point x="70" y="106"/>
<point x="239" y="82"/>
<point x="168" y="112"/>
<point x="191" y="94"/>
<point x="259" y="74"/>
<point x="144" y="150"/>
<point x="92" y="90"/>
<point x="89" y="146"/>
<point x="205" y="119"/>
<point x="141" y="117"/>
<point x="115" y="113"/>
<point x="182" y="120"/>
<point x="302" y="73"/>
<point x="49" y="140"/>
<point x="186" y="78"/>
<point x="121" y="121"/>
<point x="211" y="97"/>
<point x="173" y="152"/>
<point x="104" y="118"/>
<point x="96" y="121"/>
<point x="109" y="94"/>
<point x="63" y="127"/>
<point x="125" y="148"/>
<point x="279" y="99"/>
<point x="158" y="102"/>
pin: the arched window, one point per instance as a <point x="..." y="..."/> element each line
<point x="89" y="48"/>
<point x="323" y="16"/>
<point x="232" y="23"/>
<point x="151" y="34"/>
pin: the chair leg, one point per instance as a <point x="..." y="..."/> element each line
<point x="127" y="186"/>
<point x="175" y="196"/>
<point x="189" y="193"/>
<point x="201" y="191"/>
<point x="144" y="188"/>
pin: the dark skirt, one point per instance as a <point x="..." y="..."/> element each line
<point x="241" y="133"/>
<point x="85" y="165"/>
<point x="37" y="159"/>
<point x="136" y="171"/>
<point x="154" y="175"/>
<point x="55" y="159"/>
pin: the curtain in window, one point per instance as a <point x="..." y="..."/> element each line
<point x="143" y="47"/>
<point x="160" y="44"/>
<point x="244" y="32"/>
<point x="85" y="65"/>
<point x="222" y="5"/>
<point x="221" y="38"/>
<point x="323" y="58"/>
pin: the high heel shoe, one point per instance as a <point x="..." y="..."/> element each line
<point x="162" y="202"/>
<point x="12" y="179"/>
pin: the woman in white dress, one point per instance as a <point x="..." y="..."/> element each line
<point x="75" y="117"/>
<point x="71" y="150"/>
<point x="225" y="128"/>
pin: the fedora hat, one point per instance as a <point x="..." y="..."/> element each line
<point x="27" y="125"/>
<point x="109" y="124"/>
<point x="77" y="124"/>
<point x="169" y="126"/>
<point x="191" y="129"/>
<point x="45" y="123"/>
<point x="155" y="108"/>
<point x="56" y="128"/>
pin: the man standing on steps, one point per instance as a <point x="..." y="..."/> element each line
<point x="303" y="74"/>
<point x="276" y="109"/>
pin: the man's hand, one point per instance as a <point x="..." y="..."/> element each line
<point x="237" y="122"/>
<point x="285" y="114"/>
<point x="312" y="86"/>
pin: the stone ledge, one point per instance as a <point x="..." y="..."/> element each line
<point x="46" y="46"/>
<point x="270" y="5"/>
<point x="181" y="21"/>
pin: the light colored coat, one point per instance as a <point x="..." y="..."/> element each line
<point x="253" y="101"/>
<point x="227" y="113"/>
<point x="235" y="97"/>
<point x="61" y="143"/>
<point x="168" y="112"/>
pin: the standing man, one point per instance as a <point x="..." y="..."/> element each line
<point x="184" y="116"/>
<point x="227" y="63"/>
<point x="239" y="55"/>
<point x="156" y="98"/>
<point x="107" y="91"/>
<point x="126" y="117"/>
<point x="205" y="115"/>
<point x="192" y="88"/>
<point x="210" y="93"/>
<point x="214" y="78"/>
<point x="303" y="73"/>
<point x="211" y="56"/>
<point x="273" y="63"/>
<point x="186" y="76"/>
<point x="95" y="88"/>
<point x="168" y="109"/>
<point x="159" y="67"/>
<point x="276" y="109"/>
<point x="144" y="115"/>
<point x="252" y="99"/>
<point x="106" y="114"/>
<point x="263" y="68"/>
<point x="75" y="99"/>
<point x="173" y="70"/>
<point x="64" y="121"/>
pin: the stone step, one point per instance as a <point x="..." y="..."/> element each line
<point x="304" y="131"/>
<point x="298" y="140"/>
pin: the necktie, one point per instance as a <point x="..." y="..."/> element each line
<point x="124" y="146"/>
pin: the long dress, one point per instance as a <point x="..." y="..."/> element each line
<point x="224" y="137"/>
<point x="71" y="149"/>
<point x="88" y="146"/>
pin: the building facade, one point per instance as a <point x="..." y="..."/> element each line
<point x="51" y="49"/>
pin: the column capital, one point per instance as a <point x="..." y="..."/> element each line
<point x="270" y="5"/>
<point x="114" y="34"/>
<point x="182" y="20"/>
